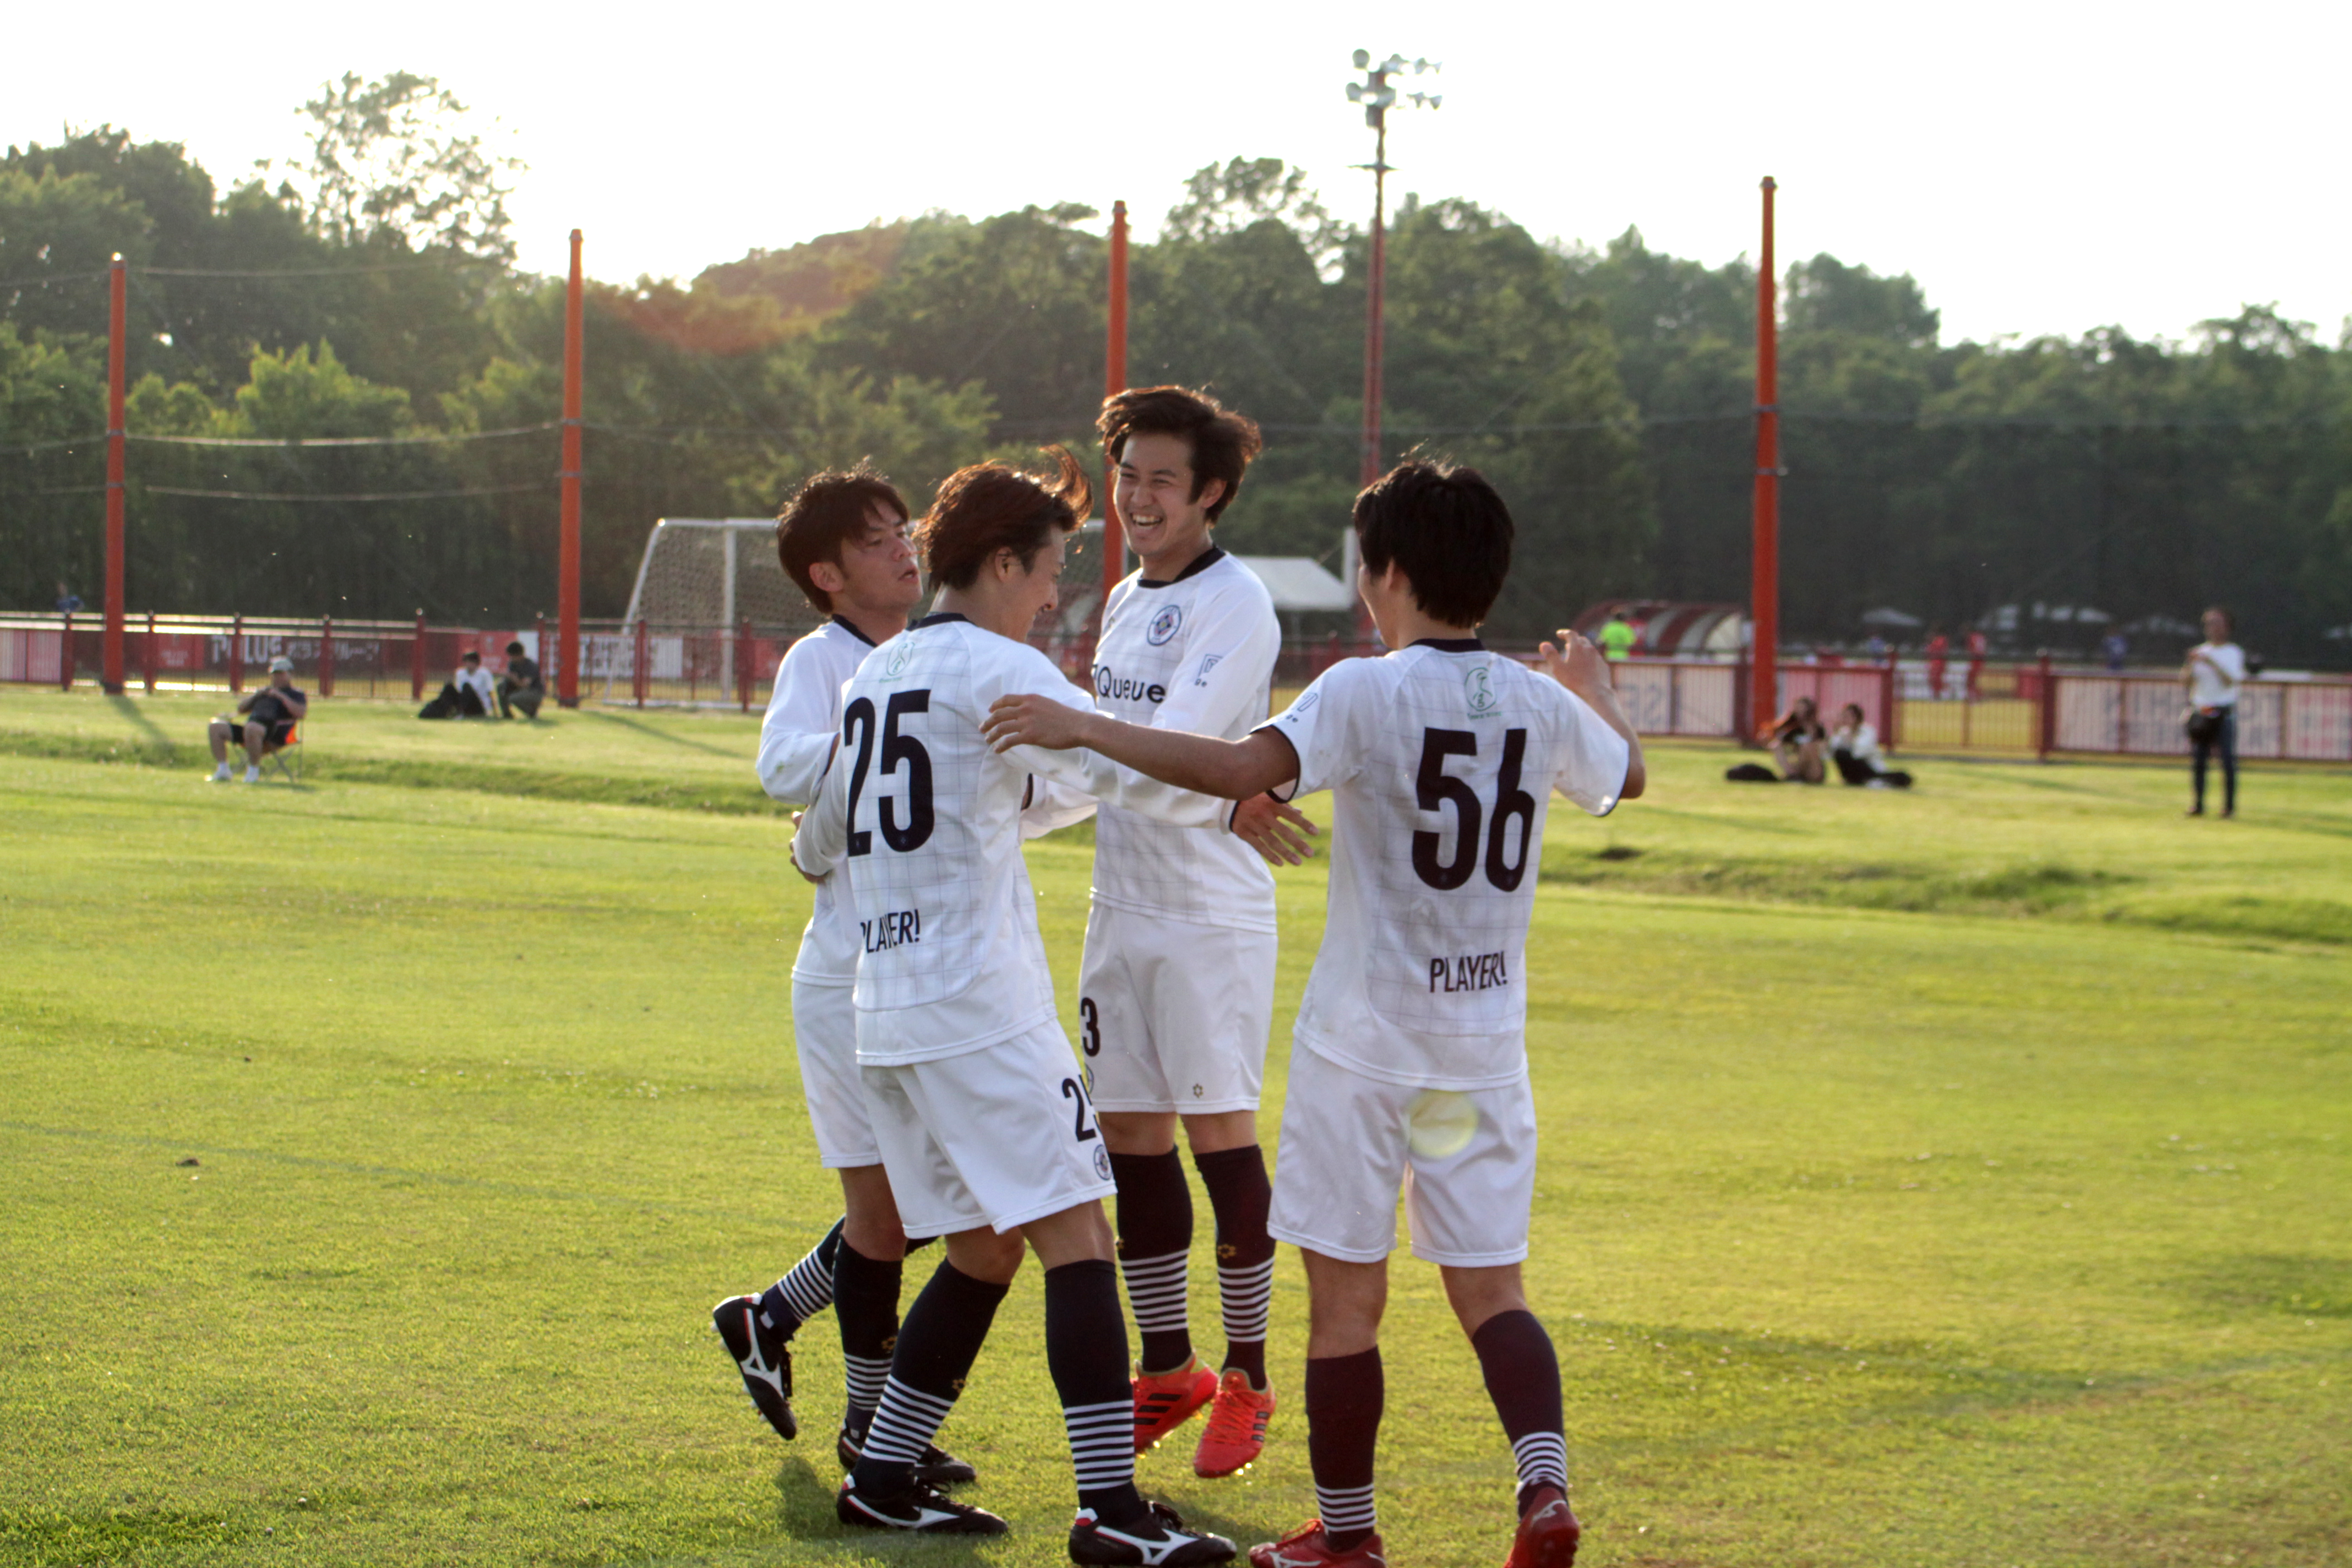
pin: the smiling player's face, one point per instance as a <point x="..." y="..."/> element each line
<point x="1036" y="592"/>
<point x="1165" y="524"/>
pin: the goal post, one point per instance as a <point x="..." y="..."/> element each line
<point x="700" y="578"/>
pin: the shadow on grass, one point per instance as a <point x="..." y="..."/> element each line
<point x="639" y="726"/>
<point x="129" y="711"/>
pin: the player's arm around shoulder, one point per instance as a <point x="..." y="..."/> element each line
<point x="821" y="834"/>
<point x="1579" y="666"/>
<point x="1231" y="769"/>
<point x="797" y="735"/>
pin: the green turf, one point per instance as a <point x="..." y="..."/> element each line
<point x="1956" y="1178"/>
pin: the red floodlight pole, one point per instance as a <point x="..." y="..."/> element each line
<point x="111" y="668"/>
<point x="567" y="558"/>
<point x="1114" y="383"/>
<point x="1763" y="703"/>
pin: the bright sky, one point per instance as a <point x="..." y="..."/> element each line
<point x="2039" y="167"/>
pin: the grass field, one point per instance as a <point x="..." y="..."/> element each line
<point x="1951" y="1178"/>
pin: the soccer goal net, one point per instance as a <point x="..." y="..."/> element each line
<point x="701" y="580"/>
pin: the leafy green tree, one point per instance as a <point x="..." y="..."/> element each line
<point x="395" y="156"/>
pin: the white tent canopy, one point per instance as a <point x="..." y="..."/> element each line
<point x="1300" y="583"/>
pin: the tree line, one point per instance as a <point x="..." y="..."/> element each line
<point x="1607" y="391"/>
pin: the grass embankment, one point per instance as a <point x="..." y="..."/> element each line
<point x="1949" y="1234"/>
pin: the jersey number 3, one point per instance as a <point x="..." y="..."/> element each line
<point x="1436" y="789"/>
<point x="898" y="750"/>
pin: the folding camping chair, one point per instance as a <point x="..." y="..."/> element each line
<point x="275" y="756"/>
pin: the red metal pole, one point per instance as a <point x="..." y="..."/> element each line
<point x="645" y="650"/>
<point x="744" y="665"/>
<point x="326" y="656"/>
<point x="2046" y="740"/>
<point x="237" y="656"/>
<point x="1891" y="684"/>
<point x="66" y="654"/>
<point x="110" y="669"/>
<point x="416" y="660"/>
<point x="1114" y="383"/>
<point x="1765" y="586"/>
<point x="147" y="655"/>
<point x="567" y="567"/>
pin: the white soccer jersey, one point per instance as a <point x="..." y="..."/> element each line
<point x="796" y="741"/>
<point x="1441" y="759"/>
<point x="924" y="819"/>
<point x="1195" y="653"/>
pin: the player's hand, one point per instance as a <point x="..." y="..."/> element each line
<point x="812" y="881"/>
<point x="1576" y="664"/>
<point x="1032" y="720"/>
<point x="1274" y="829"/>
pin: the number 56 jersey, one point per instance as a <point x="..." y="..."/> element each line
<point x="925" y="821"/>
<point x="1441" y="759"/>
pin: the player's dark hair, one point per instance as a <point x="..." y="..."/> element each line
<point x="825" y="514"/>
<point x="514" y="650"/>
<point x="1448" y="530"/>
<point x="1222" y="441"/>
<point x="990" y="507"/>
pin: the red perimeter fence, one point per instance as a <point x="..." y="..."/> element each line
<point x="2015" y="710"/>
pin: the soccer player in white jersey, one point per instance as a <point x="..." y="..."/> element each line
<point x="1176" y="993"/>
<point x="976" y="1100"/>
<point x="1411" y="1068"/>
<point x="842" y="540"/>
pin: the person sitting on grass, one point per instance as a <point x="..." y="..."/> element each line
<point x="468" y="695"/>
<point x="1798" y="743"/>
<point x="521" y="685"/>
<point x="1853" y="747"/>
<point x="266" y="722"/>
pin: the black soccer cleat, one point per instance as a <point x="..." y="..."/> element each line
<point x="936" y="1468"/>
<point x="1159" y="1541"/>
<point x="918" y="1509"/>
<point x="764" y="1359"/>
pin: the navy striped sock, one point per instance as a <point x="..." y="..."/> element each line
<point x="1241" y="1196"/>
<point x="1523" y="1380"/>
<point x="806" y="1289"/>
<point x="937" y="1345"/>
<point x="1155" y="1239"/>
<point x="1345" y="1395"/>
<point x="865" y="1305"/>
<point x="1086" y="1348"/>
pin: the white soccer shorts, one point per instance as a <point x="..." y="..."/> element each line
<point x="1173" y="1015"/>
<point x="1464" y="1159"/>
<point x="824" y="1032"/>
<point x="995" y="1137"/>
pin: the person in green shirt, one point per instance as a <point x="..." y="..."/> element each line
<point x="1617" y="638"/>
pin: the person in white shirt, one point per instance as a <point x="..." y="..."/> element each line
<point x="976" y="1102"/>
<point x="1410" y="1068"/>
<point x="1854" y="747"/>
<point x="2212" y="673"/>
<point x="1176" y="991"/>
<point x="469" y="694"/>
<point x="842" y="540"/>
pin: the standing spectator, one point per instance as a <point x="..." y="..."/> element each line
<point x="1874" y="649"/>
<point x="521" y="685"/>
<point x="263" y="721"/>
<point x="1617" y="638"/>
<point x="1938" y="645"/>
<point x="1976" y="663"/>
<point x="69" y="601"/>
<point x="2212" y="673"/>
<point x="2117" y="648"/>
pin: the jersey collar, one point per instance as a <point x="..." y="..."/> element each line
<point x="939" y="619"/>
<point x="1201" y="562"/>
<point x="846" y="624"/>
<point x="1452" y="645"/>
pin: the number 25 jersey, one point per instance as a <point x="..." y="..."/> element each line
<point x="1441" y="759"/>
<point x="925" y="821"/>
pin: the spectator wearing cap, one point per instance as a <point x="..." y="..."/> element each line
<point x="263" y="723"/>
<point x="521" y="685"/>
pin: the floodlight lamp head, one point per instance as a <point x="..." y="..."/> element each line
<point x="1394" y="63"/>
<point x="1355" y="92"/>
<point x="1418" y="67"/>
<point x="1363" y="59"/>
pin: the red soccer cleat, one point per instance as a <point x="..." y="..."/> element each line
<point x="1236" y="1429"/>
<point x="1548" y="1533"/>
<point x="1306" y="1548"/>
<point x="1166" y="1400"/>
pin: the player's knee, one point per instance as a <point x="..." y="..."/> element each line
<point x="984" y="1254"/>
<point x="1478" y="1294"/>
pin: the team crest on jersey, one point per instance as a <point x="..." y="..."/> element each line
<point x="1164" y="625"/>
<point x="898" y="665"/>
<point x="1478" y="689"/>
<point x="1209" y="661"/>
<point x="1102" y="1163"/>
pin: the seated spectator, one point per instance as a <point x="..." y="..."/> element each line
<point x="263" y="721"/>
<point x="1798" y="744"/>
<point x="521" y="685"/>
<point x="468" y="696"/>
<point x="1853" y="747"/>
